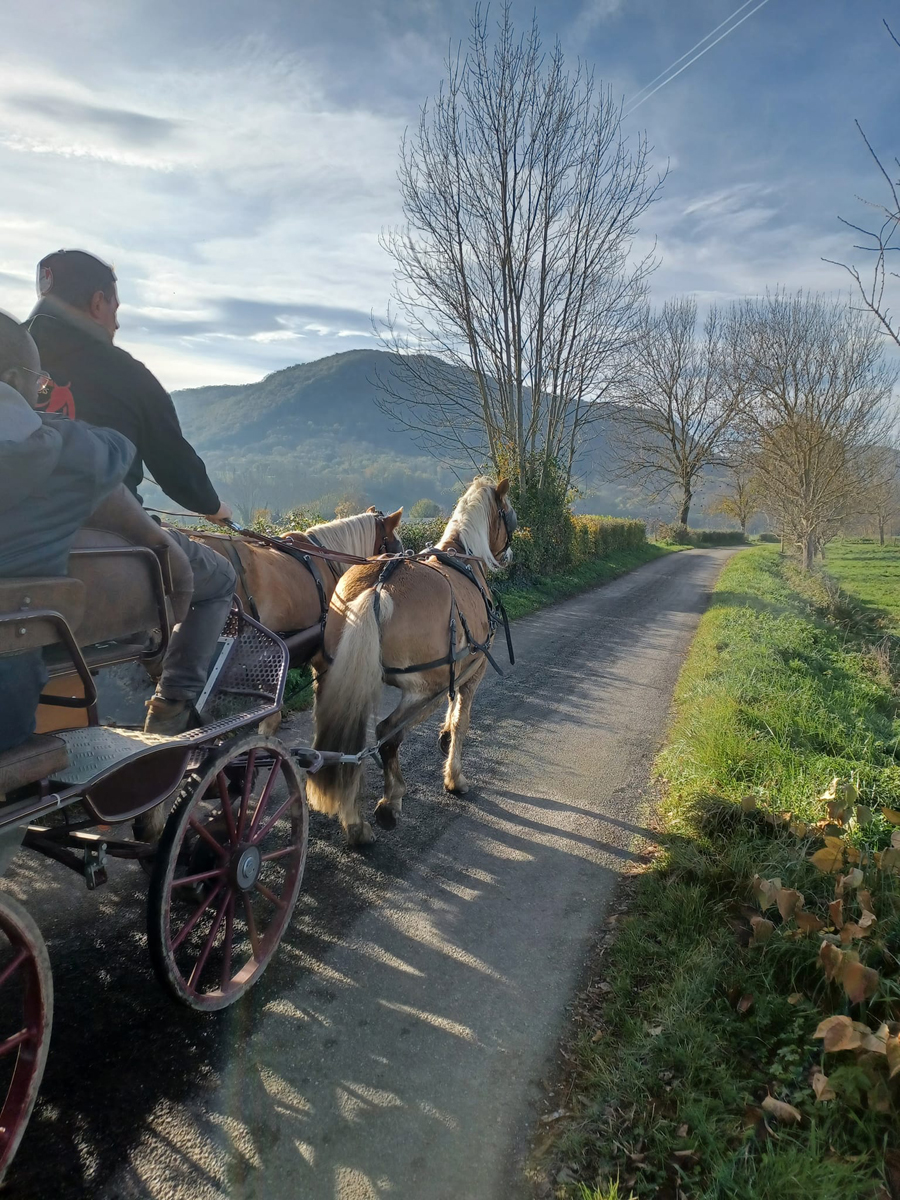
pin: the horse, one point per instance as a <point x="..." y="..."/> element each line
<point x="423" y="626"/>
<point x="286" y="594"/>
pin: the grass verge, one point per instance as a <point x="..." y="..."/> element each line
<point x="699" y="1020"/>
<point x="519" y="599"/>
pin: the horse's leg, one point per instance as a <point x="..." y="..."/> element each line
<point x="454" y="780"/>
<point x="391" y="803"/>
<point x="444" y="735"/>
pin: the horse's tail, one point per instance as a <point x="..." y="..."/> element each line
<point x="346" y="699"/>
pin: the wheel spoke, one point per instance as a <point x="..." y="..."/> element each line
<point x="264" y="798"/>
<point x="203" y="832"/>
<point x="226" y="807"/>
<point x="229" y="939"/>
<point x="189" y="925"/>
<point x="11" y="1043"/>
<point x="13" y="966"/>
<point x="279" y="853"/>
<point x="269" y="895"/>
<point x="216" y="873"/>
<point x="251" y="924"/>
<point x="274" y="819"/>
<point x="208" y="945"/>
<point x="245" y="793"/>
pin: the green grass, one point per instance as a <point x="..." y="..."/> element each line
<point x="871" y="573"/>
<point x="773" y="701"/>
<point x="520" y="599"/>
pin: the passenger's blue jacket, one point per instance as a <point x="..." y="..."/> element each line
<point x="52" y="476"/>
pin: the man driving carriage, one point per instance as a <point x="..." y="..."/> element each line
<point x="53" y="474"/>
<point x="74" y="326"/>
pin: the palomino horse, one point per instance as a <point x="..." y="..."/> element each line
<point x="421" y="626"/>
<point x="280" y="590"/>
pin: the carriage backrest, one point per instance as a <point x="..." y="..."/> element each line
<point x="31" y="611"/>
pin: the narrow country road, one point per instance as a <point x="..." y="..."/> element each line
<point x="396" y="1046"/>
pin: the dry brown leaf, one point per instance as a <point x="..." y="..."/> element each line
<point x="654" y="1030"/>
<point x="888" y="860"/>
<point x="681" y="1131"/>
<point x="836" y="913"/>
<point x="786" y="1113"/>
<point x="748" y="804"/>
<point x="860" y="982"/>
<point x="892" y="1050"/>
<point x="832" y="960"/>
<point x="829" y="860"/>
<point x="762" y="929"/>
<point x="745" y="1003"/>
<point x="789" y="902"/>
<point x="795" y="997"/>
<point x="834" y="843"/>
<point x="821" y="1088"/>
<point x="895" y="839"/>
<point x="831" y="791"/>
<point x="598" y="1035"/>
<point x="867" y="920"/>
<point x="849" y="882"/>
<point x="876" y="1043"/>
<point x="839" y="1033"/>
<point x="764" y="890"/>
<point x="838" y="812"/>
<point x="851" y="930"/>
<point x="891" y="815"/>
<point x="799" y="828"/>
<point x="853" y="855"/>
<point x="865" y="900"/>
<point x="809" y="923"/>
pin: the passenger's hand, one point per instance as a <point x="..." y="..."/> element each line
<point x="219" y="518"/>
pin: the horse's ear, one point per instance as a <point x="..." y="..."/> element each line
<point x="372" y="508"/>
<point x="502" y="488"/>
<point x="392" y="520"/>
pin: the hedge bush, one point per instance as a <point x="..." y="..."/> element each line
<point x="683" y="535"/>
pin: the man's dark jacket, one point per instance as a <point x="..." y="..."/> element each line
<point x="110" y="388"/>
<point x="50" y="482"/>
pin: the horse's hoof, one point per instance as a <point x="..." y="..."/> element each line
<point x="360" y="835"/>
<point x="457" y="787"/>
<point x="444" y="742"/>
<point x="385" y="816"/>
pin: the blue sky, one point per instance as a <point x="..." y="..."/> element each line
<point x="236" y="159"/>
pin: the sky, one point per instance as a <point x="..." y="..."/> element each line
<point x="236" y="159"/>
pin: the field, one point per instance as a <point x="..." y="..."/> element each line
<point x="694" y="1069"/>
<point x="870" y="573"/>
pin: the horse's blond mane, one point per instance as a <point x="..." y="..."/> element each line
<point x="353" y="535"/>
<point x="470" y="522"/>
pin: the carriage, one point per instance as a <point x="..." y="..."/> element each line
<point x="224" y="876"/>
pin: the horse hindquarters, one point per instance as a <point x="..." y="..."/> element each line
<point x="345" y="700"/>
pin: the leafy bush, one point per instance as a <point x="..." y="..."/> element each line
<point x="769" y="537"/>
<point x="424" y="510"/>
<point x="683" y="535"/>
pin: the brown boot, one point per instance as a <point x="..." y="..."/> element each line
<point x="167" y="717"/>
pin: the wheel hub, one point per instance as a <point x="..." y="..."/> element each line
<point x="246" y="866"/>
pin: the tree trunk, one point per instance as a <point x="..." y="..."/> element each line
<point x="743" y="527"/>
<point x="880" y="532"/>
<point x="685" y="506"/>
<point x="809" y="551"/>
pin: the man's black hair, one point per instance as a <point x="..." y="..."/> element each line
<point x="12" y="344"/>
<point x="75" y="277"/>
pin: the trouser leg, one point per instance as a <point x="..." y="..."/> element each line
<point x="193" y="643"/>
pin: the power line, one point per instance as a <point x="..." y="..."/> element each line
<point x="669" y="78"/>
<point x="746" y="4"/>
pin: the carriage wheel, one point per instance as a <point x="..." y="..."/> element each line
<point x="26" y="1015"/>
<point x="227" y="872"/>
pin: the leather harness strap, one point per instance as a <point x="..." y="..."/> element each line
<point x="235" y="558"/>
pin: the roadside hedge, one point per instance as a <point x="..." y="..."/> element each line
<point x="683" y="535"/>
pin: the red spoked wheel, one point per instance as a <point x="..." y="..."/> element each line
<point x="228" y="872"/>
<point x="26" y="1017"/>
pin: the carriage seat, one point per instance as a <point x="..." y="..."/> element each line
<point x="135" y="576"/>
<point x="40" y="757"/>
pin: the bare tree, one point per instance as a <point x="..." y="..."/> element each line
<point x="677" y="412"/>
<point x="881" y="243"/>
<point x="814" y="388"/>
<point x="742" y="497"/>
<point x="512" y="279"/>
<point x="247" y="487"/>
<point x="879" y="493"/>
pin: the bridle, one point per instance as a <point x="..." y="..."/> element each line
<point x="510" y="521"/>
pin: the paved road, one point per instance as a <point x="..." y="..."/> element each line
<point x="396" y="1046"/>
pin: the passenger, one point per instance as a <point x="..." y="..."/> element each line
<point x="53" y="474"/>
<point x="74" y="325"/>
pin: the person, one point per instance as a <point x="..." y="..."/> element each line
<point x="74" y="325"/>
<point x="53" y="474"/>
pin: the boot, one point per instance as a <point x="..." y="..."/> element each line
<point x="167" y="717"/>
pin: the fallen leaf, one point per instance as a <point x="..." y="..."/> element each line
<point x="876" y="1043"/>
<point x="809" y="923"/>
<point x="839" y="1033"/>
<point x="837" y="812"/>
<point x="829" y="860"/>
<point x="833" y="842"/>
<point x="892" y="1050"/>
<point x="762" y="929"/>
<point x="764" y="890"/>
<point x="865" y="901"/>
<point x="789" y="902"/>
<point x="785" y="1113"/>
<point x="868" y="919"/>
<point x="853" y="855"/>
<point x="821" y="1088"/>
<point x="895" y="839"/>
<point x="799" y="828"/>
<point x="681" y="1131"/>
<point x="851" y="930"/>
<point x="863" y="814"/>
<point x="605" y="986"/>
<point x="849" y="882"/>
<point x="745" y="1003"/>
<point x="860" y="982"/>
<point x="891" y="815"/>
<point x="836" y="913"/>
<point x="748" y="804"/>
<point x="831" y="791"/>
<point x="879" y="1097"/>
<point x="832" y="960"/>
<point x="598" y="1035"/>
<point x="795" y="997"/>
<point x="654" y="1030"/>
<point x="554" y="1116"/>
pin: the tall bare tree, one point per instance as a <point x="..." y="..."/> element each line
<point x="879" y="493"/>
<point x="677" y="412"/>
<point x="814" y="388"/>
<point x="513" y="280"/>
<point x="881" y="242"/>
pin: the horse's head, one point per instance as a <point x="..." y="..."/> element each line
<point x="504" y="525"/>
<point x="387" y="540"/>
